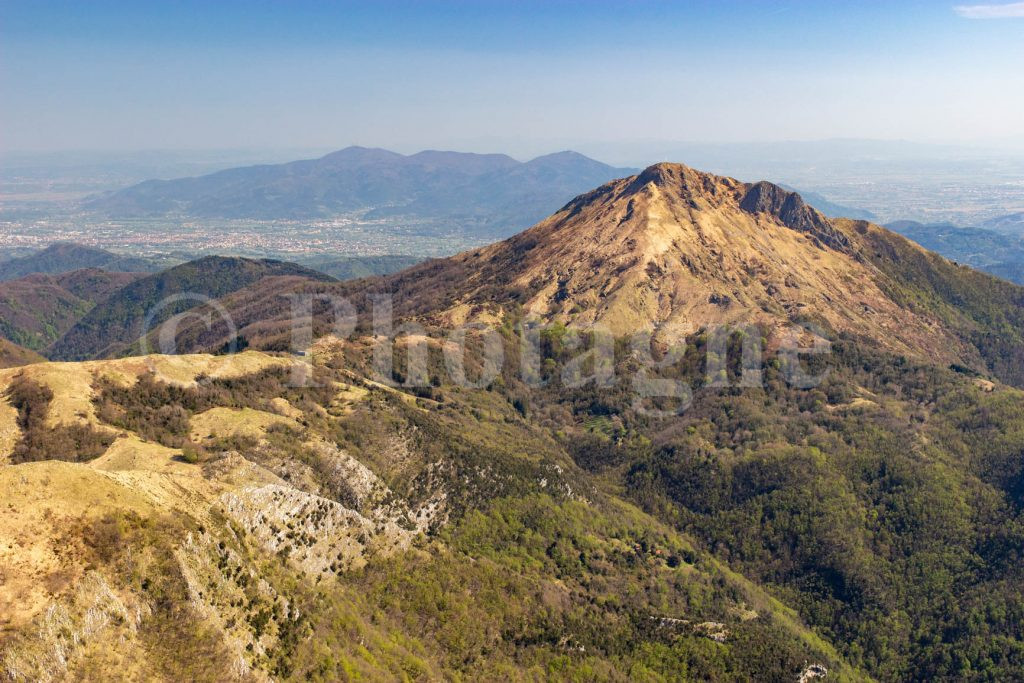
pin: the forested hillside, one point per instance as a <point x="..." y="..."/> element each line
<point x="112" y="327"/>
<point x="37" y="309"/>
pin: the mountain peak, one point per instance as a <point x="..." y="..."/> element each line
<point x="566" y="159"/>
<point x="665" y="172"/>
<point x="564" y="154"/>
<point x="355" y="154"/>
<point x="673" y="250"/>
<point x="700" y="190"/>
<point x="685" y="183"/>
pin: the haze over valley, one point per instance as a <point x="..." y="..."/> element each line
<point x="471" y="199"/>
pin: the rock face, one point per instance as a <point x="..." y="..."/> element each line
<point x="789" y="208"/>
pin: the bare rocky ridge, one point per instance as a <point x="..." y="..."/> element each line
<point x="790" y="209"/>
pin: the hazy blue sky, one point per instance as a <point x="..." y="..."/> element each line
<point x="523" y="77"/>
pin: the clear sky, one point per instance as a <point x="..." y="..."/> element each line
<point x="520" y="77"/>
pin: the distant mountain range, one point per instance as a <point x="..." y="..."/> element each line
<point x="493" y="192"/>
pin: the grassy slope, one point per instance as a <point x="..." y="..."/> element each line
<point x="12" y="355"/>
<point x="532" y="571"/>
<point x="882" y="508"/>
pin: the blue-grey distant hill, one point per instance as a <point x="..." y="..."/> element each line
<point x="490" y="192"/>
<point x="988" y="250"/>
<point x="1012" y="224"/>
<point x="62" y="257"/>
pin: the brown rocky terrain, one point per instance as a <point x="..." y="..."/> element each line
<point x="673" y="250"/>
